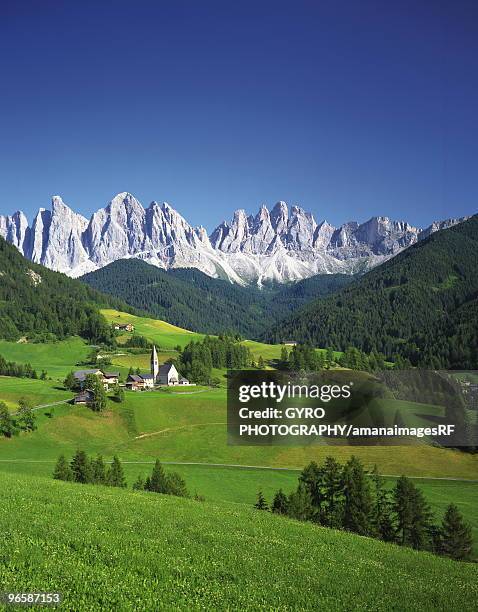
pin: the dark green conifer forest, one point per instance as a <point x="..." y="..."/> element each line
<point x="421" y="306"/>
<point x="46" y="306"/>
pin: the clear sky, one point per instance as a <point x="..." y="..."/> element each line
<point x="350" y="109"/>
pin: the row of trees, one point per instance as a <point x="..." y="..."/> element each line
<point x="19" y="370"/>
<point x="305" y="357"/>
<point x="167" y="483"/>
<point x="346" y="497"/>
<point x="86" y="470"/>
<point x="12" y="424"/>
<point x="198" y="358"/>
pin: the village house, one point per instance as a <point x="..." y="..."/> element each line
<point x="148" y="381"/>
<point x="109" y="379"/>
<point x="124" y="327"/>
<point x="80" y="376"/>
<point x="135" y="382"/>
<point x="84" y="397"/>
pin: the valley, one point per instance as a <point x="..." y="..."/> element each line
<point x="188" y="426"/>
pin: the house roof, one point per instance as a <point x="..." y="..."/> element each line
<point x="135" y="378"/>
<point x="84" y="395"/>
<point x="82" y="374"/>
<point x="183" y="379"/>
<point x="147" y="376"/>
<point x="166" y="368"/>
<point x="111" y="374"/>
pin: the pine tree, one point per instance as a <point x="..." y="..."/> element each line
<point x="260" y="363"/>
<point x="333" y="493"/>
<point x="115" y="476"/>
<point x="300" y="504"/>
<point x="381" y="518"/>
<point x="403" y="508"/>
<point x="284" y="357"/>
<point x="139" y="484"/>
<point x="157" y="482"/>
<point x="98" y="470"/>
<point x="330" y="359"/>
<point x="70" y="381"/>
<point x="457" y="540"/>
<point x="81" y="467"/>
<point x="261" y="503"/>
<point x="280" y="503"/>
<point x="413" y="514"/>
<point x="357" y="498"/>
<point x="7" y="424"/>
<point x="175" y="485"/>
<point x="422" y="520"/>
<point x="62" y="470"/>
<point x="313" y="478"/>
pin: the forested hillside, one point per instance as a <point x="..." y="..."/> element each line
<point x="422" y="305"/>
<point x="191" y="299"/>
<point x="44" y="305"/>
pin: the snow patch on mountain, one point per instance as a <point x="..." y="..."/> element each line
<point x="280" y="245"/>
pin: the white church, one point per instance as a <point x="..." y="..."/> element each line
<point x="164" y="375"/>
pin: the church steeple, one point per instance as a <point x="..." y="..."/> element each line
<point x="154" y="363"/>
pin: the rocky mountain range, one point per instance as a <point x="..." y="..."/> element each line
<point x="279" y="245"/>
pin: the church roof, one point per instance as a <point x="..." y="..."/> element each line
<point x="165" y="368"/>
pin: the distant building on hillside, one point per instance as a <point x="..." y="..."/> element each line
<point x="148" y="380"/>
<point x="124" y="327"/>
<point x="80" y="376"/>
<point x="84" y="397"/>
<point x="111" y="378"/>
<point x="140" y="382"/>
<point x="135" y="382"/>
<point x="108" y="379"/>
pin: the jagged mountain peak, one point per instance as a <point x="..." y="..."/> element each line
<point x="280" y="244"/>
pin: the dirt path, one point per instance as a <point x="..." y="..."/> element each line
<point x="157" y="433"/>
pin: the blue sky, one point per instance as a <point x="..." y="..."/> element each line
<point x="350" y="109"/>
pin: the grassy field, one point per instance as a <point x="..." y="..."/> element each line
<point x="189" y="425"/>
<point x="168" y="336"/>
<point x="145" y="551"/>
<point x="165" y="335"/>
<point x="37" y="392"/>
<point x="240" y="485"/>
<point x="58" y="358"/>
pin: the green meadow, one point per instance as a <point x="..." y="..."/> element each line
<point x="188" y="425"/>
<point x="165" y="335"/>
<point x="160" y="552"/>
<point x="58" y="358"/>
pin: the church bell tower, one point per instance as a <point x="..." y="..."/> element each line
<point x="154" y="364"/>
